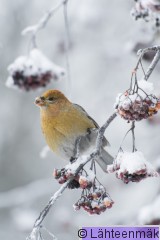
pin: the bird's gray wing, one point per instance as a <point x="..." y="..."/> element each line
<point x="105" y="142"/>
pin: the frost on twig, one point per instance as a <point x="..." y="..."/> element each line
<point x="132" y="167"/>
<point x="33" y="71"/>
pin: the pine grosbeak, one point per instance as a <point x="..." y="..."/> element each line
<point x="68" y="129"/>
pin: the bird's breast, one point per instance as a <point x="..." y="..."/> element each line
<point x="62" y="129"/>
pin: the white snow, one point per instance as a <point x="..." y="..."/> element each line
<point x="9" y="83"/>
<point x="146" y="86"/>
<point x="150" y="212"/>
<point x="131" y="161"/>
<point x="72" y="167"/>
<point x="125" y="101"/>
<point x="76" y="164"/>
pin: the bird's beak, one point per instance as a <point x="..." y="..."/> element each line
<point x="39" y="101"/>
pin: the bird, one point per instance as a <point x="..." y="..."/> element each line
<point x="68" y="129"/>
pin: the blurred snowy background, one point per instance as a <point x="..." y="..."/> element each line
<point x="102" y="36"/>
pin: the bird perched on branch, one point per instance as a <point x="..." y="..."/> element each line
<point x="69" y="131"/>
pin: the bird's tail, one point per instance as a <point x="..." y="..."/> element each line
<point x="104" y="160"/>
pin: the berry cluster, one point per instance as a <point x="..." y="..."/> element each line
<point x="140" y="11"/>
<point x="79" y="181"/>
<point x="127" y="177"/>
<point x="134" y="107"/>
<point x="94" y="201"/>
<point x="147" y="10"/>
<point x="31" y="82"/>
<point x="94" y="198"/>
<point x="62" y="175"/>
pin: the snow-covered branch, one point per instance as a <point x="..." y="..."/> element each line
<point x="78" y="166"/>
<point x="154" y="62"/>
<point x="34" y="29"/>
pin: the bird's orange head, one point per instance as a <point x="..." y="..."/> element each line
<point x="50" y="97"/>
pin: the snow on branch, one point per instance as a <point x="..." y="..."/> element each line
<point x="154" y="62"/>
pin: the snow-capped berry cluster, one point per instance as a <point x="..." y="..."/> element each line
<point x="135" y="106"/>
<point x="79" y="181"/>
<point x="32" y="71"/>
<point x="94" y="201"/>
<point x="132" y="107"/>
<point x="148" y="10"/>
<point x="132" y="167"/>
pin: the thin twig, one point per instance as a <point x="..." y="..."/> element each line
<point x="152" y="65"/>
<point x="133" y="135"/>
<point x="102" y="131"/>
<point x="154" y="62"/>
<point x="34" y="29"/>
<point x="120" y="148"/>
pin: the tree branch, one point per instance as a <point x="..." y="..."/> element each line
<point x="53" y="199"/>
<point x="34" y="29"/>
<point x="154" y="62"/>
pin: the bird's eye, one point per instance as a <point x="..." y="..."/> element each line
<point x="42" y="98"/>
<point x="51" y="99"/>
